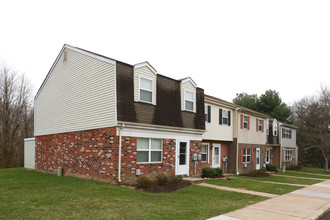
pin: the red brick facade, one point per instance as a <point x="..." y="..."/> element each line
<point x="94" y="154"/>
<point x="251" y="166"/>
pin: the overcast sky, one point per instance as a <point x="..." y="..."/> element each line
<point x="226" y="47"/>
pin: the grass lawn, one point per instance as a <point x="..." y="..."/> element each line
<point x="283" y="179"/>
<point x="32" y="195"/>
<point x="254" y="185"/>
<point x="301" y="174"/>
<point x="314" y="170"/>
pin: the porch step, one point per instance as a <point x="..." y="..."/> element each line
<point x="194" y="180"/>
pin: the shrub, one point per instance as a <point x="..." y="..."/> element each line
<point x="271" y="167"/>
<point x="144" y="182"/>
<point x="259" y="173"/>
<point x="162" y="179"/>
<point x="211" y="172"/>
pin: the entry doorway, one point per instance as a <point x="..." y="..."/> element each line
<point x="257" y="158"/>
<point x="182" y="157"/>
<point x="216" y="155"/>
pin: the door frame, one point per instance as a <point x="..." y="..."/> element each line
<point x="258" y="165"/>
<point x="213" y="155"/>
<point x="177" y="152"/>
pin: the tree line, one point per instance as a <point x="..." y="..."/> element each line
<point x="16" y="116"/>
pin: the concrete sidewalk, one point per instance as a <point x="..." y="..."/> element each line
<point x="310" y="202"/>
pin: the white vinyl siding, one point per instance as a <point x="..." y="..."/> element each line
<point x="29" y="153"/>
<point x="79" y="94"/>
<point x="187" y="86"/>
<point x="144" y="72"/>
<point x="251" y="136"/>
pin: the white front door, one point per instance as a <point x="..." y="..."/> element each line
<point x="257" y="158"/>
<point x="216" y="155"/>
<point x="182" y="157"/>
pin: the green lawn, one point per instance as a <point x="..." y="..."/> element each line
<point x="254" y="185"/>
<point x="283" y="179"/>
<point x="314" y="170"/>
<point x="301" y="174"/>
<point x="32" y="195"/>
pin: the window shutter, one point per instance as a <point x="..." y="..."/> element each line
<point x="248" y="122"/>
<point x="208" y="113"/>
<point x="263" y="125"/>
<point x="241" y="155"/>
<point x="228" y="118"/>
<point x="241" y="121"/>
<point x="220" y="116"/>
<point x="290" y="134"/>
<point x="257" y="124"/>
<point x="252" y="155"/>
<point x="282" y="133"/>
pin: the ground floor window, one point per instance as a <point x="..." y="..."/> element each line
<point x="267" y="156"/>
<point x="149" y="150"/>
<point x="287" y="155"/>
<point x="246" y="155"/>
<point x="205" y="152"/>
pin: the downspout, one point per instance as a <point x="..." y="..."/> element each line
<point x="119" y="153"/>
<point x="280" y="141"/>
<point x="237" y="130"/>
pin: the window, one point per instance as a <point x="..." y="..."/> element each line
<point x="246" y="155"/>
<point x="149" y="150"/>
<point x="267" y="127"/>
<point x="245" y="122"/>
<point x="145" y="90"/>
<point x="260" y="125"/>
<point x="286" y="133"/>
<point x="189" y="101"/>
<point x="207" y="113"/>
<point x="287" y="155"/>
<point x="275" y="129"/>
<point x="205" y="148"/>
<point x="267" y="156"/>
<point x="224" y="117"/>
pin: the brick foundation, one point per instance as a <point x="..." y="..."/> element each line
<point x="251" y="166"/>
<point x="94" y="154"/>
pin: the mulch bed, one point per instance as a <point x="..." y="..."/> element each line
<point x="168" y="187"/>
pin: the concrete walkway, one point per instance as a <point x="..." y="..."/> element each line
<point x="298" y="177"/>
<point x="269" y="195"/>
<point x="310" y="202"/>
<point x="317" y="174"/>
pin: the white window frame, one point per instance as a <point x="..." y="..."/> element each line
<point x="267" y="157"/>
<point x="259" y="124"/>
<point x="152" y="87"/>
<point x="247" y="122"/>
<point x="225" y="110"/>
<point x="275" y="130"/>
<point x="286" y="133"/>
<point x="150" y="150"/>
<point x="207" y="152"/>
<point x="287" y="155"/>
<point x="246" y="155"/>
<point x="193" y="101"/>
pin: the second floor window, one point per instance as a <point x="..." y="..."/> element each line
<point x="224" y="117"/>
<point x="260" y="125"/>
<point x="207" y="113"/>
<point x="275" y="130"/>
<point x="145" y="90"/>
<point x="245" y="122"/>
<point x="189" y="101"/>
<point x="286" y="133"/>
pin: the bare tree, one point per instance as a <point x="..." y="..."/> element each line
<point x="15" y="116"/>
<point x="312" y="116"/>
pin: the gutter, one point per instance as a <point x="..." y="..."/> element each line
<point x="119" y="153"/>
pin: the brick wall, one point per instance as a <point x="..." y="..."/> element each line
<point x="94" y="154"/>
<point x="251" y="166"/>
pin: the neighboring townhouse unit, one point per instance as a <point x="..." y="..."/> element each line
<point x="288" y="141"/>
<point x="273" y="152"/>
<point x="90" y="106"/>
<point x="249" y="146"/>
<point x="219" y="132"/>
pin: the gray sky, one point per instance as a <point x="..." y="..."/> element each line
<point x="226" y="47"/>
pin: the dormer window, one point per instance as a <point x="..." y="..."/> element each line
<point x="189" y="101"/>
<point x="145" y="90"/>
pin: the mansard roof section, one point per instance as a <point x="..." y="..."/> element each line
<point x="146" y="64"/>
<point x="188" y="79"/>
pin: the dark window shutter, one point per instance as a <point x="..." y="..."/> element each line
<point x="228" y="118"/>
<point x="248" y="122"/>
<point x="282" y="133"/>
<point x="208" y="113"/>
<point x="220" y="116"/>
<point x="241" y="121"/>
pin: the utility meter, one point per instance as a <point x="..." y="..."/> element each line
<point x="194" y="156"/>
<point x="199" y="157"/>
<point x="225" y="159"/>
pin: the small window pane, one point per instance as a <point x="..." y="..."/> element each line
<point x="145" y="84"/>
<point x="225" y="113"/>
<point x="189" y="105"/>
<point x="145" y="96"/>
<point x="156" y="156"/>
<point x="204" y="157"/>
<point x="156" y="144"/>
<point x="204" y="149"/>
<point x="189" y="96"/>
<point x="142" y="143"/>
<point x="182" y="159"/>
<point x="183" y="147"/>
<point x="142" y="156"/>
<point x="224" y="121"/>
